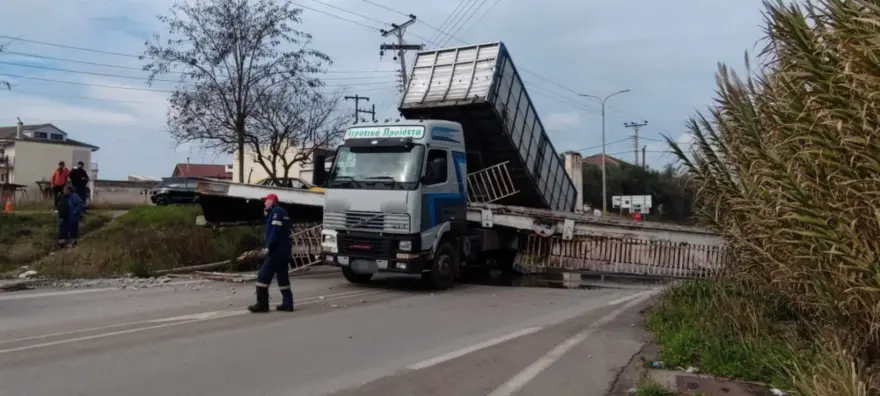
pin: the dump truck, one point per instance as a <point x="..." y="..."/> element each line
<point x="398" y="194"/>
<point x="462" y="181"/>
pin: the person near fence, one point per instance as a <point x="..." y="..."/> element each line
<point x="279" y="248"/>
<point x="69" y="208"/>
<point x="59" y="180"/>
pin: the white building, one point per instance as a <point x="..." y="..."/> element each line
<point x="254" y="171"/>
<point x="30" y="153"/>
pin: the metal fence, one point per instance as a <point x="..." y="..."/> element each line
<point x="490" y="184"/>
<point x="606" y="255"/>
<point x="306" y="246"/>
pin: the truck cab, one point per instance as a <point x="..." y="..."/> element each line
<point x="395" y="201"/>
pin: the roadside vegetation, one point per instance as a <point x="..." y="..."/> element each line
<point x="147" y="239"/>
<point x="786" y="167"/>
<point x="28" y="236"/>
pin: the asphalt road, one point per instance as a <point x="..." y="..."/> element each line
<point x="394" y="339"/>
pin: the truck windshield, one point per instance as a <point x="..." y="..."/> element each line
<point x="378" y="167"/>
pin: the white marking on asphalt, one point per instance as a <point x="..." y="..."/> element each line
<point x="177" y="321"/>
<point x="528" y="374"/>
<point x="84" y="291"/>
<point x="471" y="349"/>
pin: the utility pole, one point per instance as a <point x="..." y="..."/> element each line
<point x="604" y="157"/>
<point x="357" y="106"/>
<point x="635" y="126"/>
<point x="400" y="47"/>
<point x="643" y="156"/>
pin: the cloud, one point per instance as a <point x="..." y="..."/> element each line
<point x="34" y="110"/>
<point x="589" y="47"/>
<point x="566" y="120"/>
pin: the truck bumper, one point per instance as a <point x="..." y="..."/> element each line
<point x="402" y="263"/>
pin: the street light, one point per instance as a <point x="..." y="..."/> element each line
<point x="603" y="100"/>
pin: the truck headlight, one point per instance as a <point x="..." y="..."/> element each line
<point x="405" y="246"/>
<point x="328" y="238"/>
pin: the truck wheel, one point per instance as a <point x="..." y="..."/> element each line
<point x="443" y="267"/>
<point x="354" y="277"/>
<point x="163" y="200"/>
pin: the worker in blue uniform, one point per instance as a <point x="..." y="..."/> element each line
<point x="279" y="248"/>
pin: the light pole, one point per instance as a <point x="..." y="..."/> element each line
<point x="602" y="101"/>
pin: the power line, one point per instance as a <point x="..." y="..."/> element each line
<point x="88" y="98"/>
<point x="336" y="16"/>
<point x="350" y="12"/>
<point x="477" y="22"/>
<point x="36" y="56"/>
<point x="85" y="84"/>
<point x="68" y="47"/>
<point x="440" y="30"/>
<point x="78" y="97"/>
<point x="600" y="146"/>
<point x="157" y="79"/>
<point x="385" y="7"/>
<point x="148" y="89"/>
<point x="470" y="14"/>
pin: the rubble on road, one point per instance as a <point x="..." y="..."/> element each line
<point x="123" y="282"/>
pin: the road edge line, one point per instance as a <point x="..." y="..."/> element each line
<point x="524" y="377"/>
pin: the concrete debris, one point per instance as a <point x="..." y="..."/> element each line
<point x="27" y="274"/>
<point x="692" y="370"/>
<point x="126" y="282"/>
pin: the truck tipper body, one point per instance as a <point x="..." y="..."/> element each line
<point x="397" y="196"/>
<point x="479" y="87"/>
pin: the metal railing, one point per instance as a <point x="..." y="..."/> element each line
<point x="306" y="246"/>
<point x="7" y="161"/>
<point x="606" y="255"/>
<point x="490" y="184"/>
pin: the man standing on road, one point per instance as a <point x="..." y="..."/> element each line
<point x="80" y="180"/>
<point x="59" y="180"/>
<point x="279" y="248"/>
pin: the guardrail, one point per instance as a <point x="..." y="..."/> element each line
<point x="608" y="255"/>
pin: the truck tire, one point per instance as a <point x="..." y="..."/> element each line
<point x="354" y="277"/>
<point x="443" y="267"/>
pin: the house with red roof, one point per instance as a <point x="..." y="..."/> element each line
<point x="214" y="171"/>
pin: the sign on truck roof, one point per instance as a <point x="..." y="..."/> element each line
<point x="409" y="131"/>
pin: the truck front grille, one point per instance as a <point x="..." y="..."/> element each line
<point x="367" y="221"/>
<point x="365" y="246"/>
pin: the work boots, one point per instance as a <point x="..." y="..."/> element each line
<point x="262" y="304"/>
<point x="286" y="301"/>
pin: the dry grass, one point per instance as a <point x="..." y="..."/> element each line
<point x="787" y="166"/>
<point x="151" y="238"/>
<point x="46" y="205"/>
<point x="28" y="237"/>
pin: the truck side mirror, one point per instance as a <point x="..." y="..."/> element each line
<point x="319" y="171"/>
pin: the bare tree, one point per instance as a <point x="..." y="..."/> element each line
<point x="289" y="124"/>
<point x="230" y="54"/>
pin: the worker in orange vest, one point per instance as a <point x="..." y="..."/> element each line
<point x="637" y="216"/>
<point x="59" y="180"/>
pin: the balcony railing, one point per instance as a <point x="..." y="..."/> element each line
<point x="6" y="161"/>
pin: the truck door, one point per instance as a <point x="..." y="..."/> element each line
<point x="442" y="198"/>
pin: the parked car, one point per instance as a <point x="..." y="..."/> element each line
<point x="289" y="182"/>
<point x="175" y="190"/>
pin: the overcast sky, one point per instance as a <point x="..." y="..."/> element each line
<point x="665" y="52"/>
